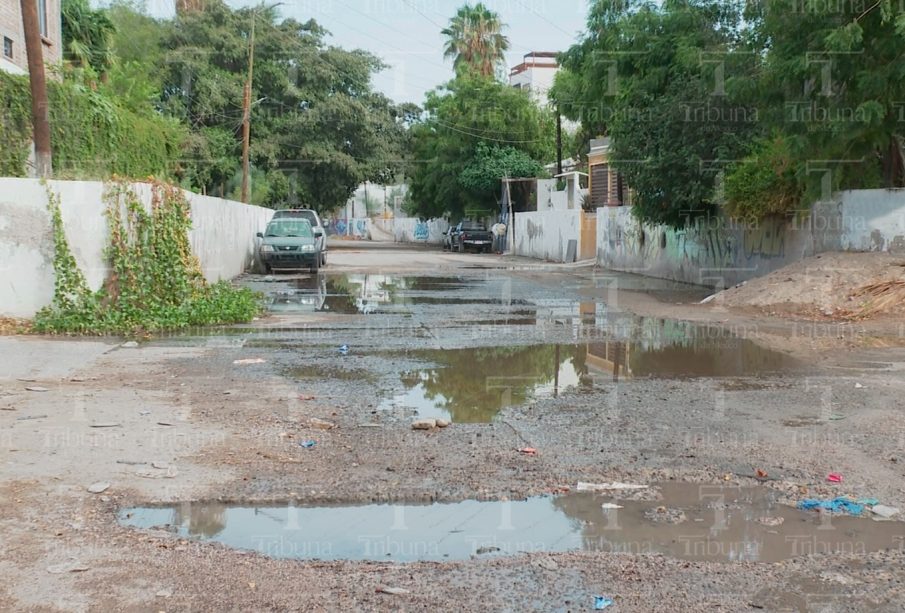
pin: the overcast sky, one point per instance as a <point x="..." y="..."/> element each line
<point x="406" y="33"/>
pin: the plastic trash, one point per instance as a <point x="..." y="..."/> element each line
<point x="528" y="450"/>
<point x="307" y="444"/>
<point x="602" y="602"/>
<point x="834" y="505"/>
<point x="884" y="511"/>
<point x="615" y="485"/>
<point x="834" y="478"/>
<point x="344" y="350"/>
<point x="393" y="591"/>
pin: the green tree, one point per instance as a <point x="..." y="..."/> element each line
<point x="830" y="84"/>
<point x="87" y="36"/>
<point x="314" y="116"/>
<point x="470" y="123"/>
<point x="656" y="79"/>
<point x="491" y="162"/>
<point x="474" y="40"/>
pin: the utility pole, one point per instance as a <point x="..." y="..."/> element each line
<point x="40" y="110"/>
<point x="246" y="103"/>
<point x="558" y="141"/>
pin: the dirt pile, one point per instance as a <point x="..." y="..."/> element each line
<point x="850" y="286"/>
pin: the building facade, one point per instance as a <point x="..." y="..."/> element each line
<point x="605" y="185"/>
<point x="12" y="55"/>
<point x="535" y="74"/>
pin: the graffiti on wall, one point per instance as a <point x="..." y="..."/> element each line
<point x="708" y="244"/>
<point x="421" y="231"/>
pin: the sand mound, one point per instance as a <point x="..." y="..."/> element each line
<point x="830" y="285"/>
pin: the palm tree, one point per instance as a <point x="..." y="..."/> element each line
<point x="474" y="39"/>
<point x="87" y="36"/>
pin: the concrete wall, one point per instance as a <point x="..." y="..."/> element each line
<point x="414" y="230"/>
<point x="873" y="220"/>
<point x="545" y="235"/>
<point x="548" y="198"/>
<point x="222" y="236"/>
<point x="721" y="252"/>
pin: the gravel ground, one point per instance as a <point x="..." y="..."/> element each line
<point x="230" y="432"/>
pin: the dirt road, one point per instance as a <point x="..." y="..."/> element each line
<point x="278" y="432"/>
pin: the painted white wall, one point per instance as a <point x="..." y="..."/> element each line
<point x="7" y="66"/>
<point x="414" y="230"/>
<point x="222" y="236"/>
<point x="545" y="235"/>
<point x="536" y="79"/>
<point x="873" y="220"/>
<point x="548" y="198"/>
<point x="721" y="252"/>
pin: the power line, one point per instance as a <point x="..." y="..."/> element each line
<point x="482" y="137"/>
<point x="552" y="23"/>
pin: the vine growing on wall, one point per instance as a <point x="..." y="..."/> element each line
<point x="93" y="136"/>
<point x="155" y="282"/>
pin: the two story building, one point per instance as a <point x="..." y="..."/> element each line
<point x="12" y="56"/>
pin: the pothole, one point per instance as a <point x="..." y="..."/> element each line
<point x="691" y="522"/>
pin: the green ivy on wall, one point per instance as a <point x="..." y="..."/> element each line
<point x="92" y="137"/>
<point x="155" y="281"/>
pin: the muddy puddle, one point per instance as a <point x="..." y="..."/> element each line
<point x="691" y="522"/>
<point x="473" y="384"/>
<point x="365" y="294"/>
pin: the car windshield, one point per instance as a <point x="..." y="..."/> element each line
<point x="290" y="227"/>
<point x="472" y="225"/>
<point x="309" y="215"/>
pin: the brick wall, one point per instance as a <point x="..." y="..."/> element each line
<point x="11" y="28"/>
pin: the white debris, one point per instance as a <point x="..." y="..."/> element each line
<point x="884" y="511"/>
<point x="97" y="488"/>
<point x="615" y="485"/>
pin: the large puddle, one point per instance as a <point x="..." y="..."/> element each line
<point x="474" y="384"/>
<point x="691" y="522"/>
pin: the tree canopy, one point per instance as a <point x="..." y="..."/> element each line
<point x="475" y="40"/>
<point x="476" y="131"/>
<point x="759" y="108"/>
<point x="318" y="128"/>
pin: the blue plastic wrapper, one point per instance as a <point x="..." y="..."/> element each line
<point x="835" y="505"/>
<point x="602" y="602"/>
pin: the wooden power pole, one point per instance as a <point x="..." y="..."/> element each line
<point x="246" y="116"/>
<point x="40" y="111"/>
<point x="558" y="141"/>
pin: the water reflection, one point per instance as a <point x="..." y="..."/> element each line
<point x="689" y="521"/>
<point x="474" y="384"/>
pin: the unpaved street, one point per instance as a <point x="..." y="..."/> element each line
<point x="293" y="436"/>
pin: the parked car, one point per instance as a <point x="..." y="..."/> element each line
<point x="315" y="221"/>
<point x="289" y="243"/>
<point x="472" y="235"/>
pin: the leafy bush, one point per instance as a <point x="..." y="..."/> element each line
<point x="92" y="135"/>
<point x="765" y="183"/>
<point x="155" y="281"/>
